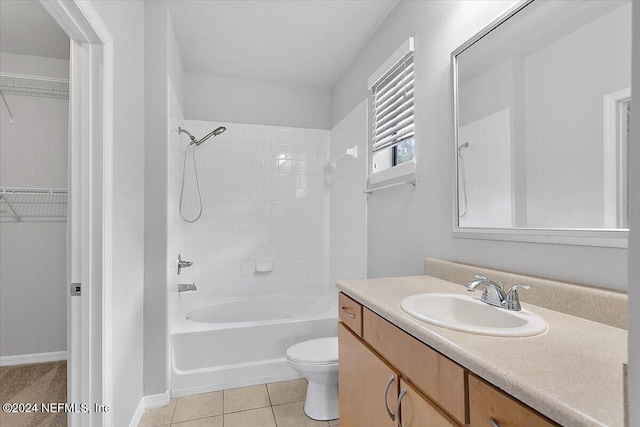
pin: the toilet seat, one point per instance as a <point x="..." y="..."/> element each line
<point x="321" y="351"/>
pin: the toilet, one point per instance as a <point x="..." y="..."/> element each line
<point x="317" y="361"/>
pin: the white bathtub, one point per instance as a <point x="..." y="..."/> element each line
<point x="217" y="345"/>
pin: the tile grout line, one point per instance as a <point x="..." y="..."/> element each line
<point x="273" y="414"/>
<point x="175" y="408"/>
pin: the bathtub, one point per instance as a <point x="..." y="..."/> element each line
<point x="229" y="343"/>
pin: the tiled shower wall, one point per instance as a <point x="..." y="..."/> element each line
<point x="348" y="214"/>
<point x="265" y="197"/>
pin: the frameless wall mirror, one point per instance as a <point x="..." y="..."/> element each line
<point x="542" y="106"/>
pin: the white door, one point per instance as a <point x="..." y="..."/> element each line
<point x="89" y="206"/>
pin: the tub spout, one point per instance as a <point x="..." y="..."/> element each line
<point x="183" y="287"/>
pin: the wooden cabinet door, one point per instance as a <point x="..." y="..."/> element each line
<point x="417" y="411"/>
<point x="489" y="406"/>
<point x="441" y="379"/>
<point x="363" y="378"/>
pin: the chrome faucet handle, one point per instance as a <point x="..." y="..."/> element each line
<point x="183" y="264"/>
<point x="480" y="280"/>
<point x="493" y="294"/>
<point x="512" y="301"/>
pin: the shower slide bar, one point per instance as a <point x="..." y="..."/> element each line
<point x="412" y="181"/>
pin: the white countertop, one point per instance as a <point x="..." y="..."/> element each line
<point x="572" y="373"/>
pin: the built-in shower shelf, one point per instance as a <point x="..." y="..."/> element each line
<point x="33" y="204"/>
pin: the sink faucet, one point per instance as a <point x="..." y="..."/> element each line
<point x="183" y="287"/>
<point x="493" y="294"/>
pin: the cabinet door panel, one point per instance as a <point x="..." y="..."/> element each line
<point x="417" y="411"/>
<point x="486" y="402"/>
<point x="438" y="377"/>
<point x="363" y="377"/>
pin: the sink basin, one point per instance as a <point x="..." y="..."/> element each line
<point x="469" y="314"/>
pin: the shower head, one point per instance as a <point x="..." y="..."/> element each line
<point x="217" y="131"/>
<point x="465" y="145"/>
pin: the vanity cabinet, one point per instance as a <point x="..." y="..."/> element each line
<point x="418" y="411"/>
<point x="363" y="380"/>
<point x="488" y="403"/>
<point x="381" y="364"/>
<point x="369" y="390"/>
<point x="350" y="313"/>
<point x="438" y="377"/>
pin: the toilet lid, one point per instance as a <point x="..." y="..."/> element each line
<point x="320" y="351"/>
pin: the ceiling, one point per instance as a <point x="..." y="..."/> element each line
<point x="27" y="28"/>
<point x="306" y="42"/>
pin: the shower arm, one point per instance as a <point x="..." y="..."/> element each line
<point x="193" y="138"/>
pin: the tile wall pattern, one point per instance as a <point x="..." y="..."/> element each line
<point x="348" y="212"/>
<point x="265" y="195"/>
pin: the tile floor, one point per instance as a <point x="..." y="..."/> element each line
<point x="266" y="405"/>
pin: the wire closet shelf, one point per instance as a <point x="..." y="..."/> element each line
<point x="33" y="204"/>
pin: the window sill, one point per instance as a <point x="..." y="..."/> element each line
<point x="387" y="176"/>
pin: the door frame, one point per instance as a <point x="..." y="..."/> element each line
<point x="615" y="155"/>
<point x="89" y="235"/>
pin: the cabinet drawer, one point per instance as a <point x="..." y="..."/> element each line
<point x="350" y="313"/>
<point x="486" y="402"/>
<point x="442" y="380"/>
<point x="417" y="411"/>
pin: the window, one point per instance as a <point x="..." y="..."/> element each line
<point x="392" y="135"/>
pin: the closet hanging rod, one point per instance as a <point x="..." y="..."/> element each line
<point x="32" y="190"/>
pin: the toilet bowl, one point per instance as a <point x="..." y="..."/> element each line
<point x="317" y="361"/>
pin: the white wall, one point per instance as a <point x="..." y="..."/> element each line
<point x="407" y="224"/>
<point x="348" y="210"/>
<point x="634" y="241"/>
<point x="125" y="21"/>
<point x="565" y="83"/>
<point x="249" y="101"/>
<point x="33" y="261"/>
<point x="265" y="196"/>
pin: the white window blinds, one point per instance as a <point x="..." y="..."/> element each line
<point x="393" y="106"/>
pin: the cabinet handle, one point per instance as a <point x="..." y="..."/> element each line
<point x="402" y="393"/>
<point x="353" y="316"/>
<point x="494" y="423"/>
<point x="392" y="379"/>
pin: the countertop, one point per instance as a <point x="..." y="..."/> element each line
<point x="572" y="373"/>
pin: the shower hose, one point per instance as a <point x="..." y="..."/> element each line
<point x="195" y="172"/>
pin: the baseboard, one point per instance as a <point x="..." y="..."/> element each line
<point x="156" y="400"/>
<point x="27" y="359"/>
<point x="147" y="402"/>
<point x="137" y="415"/>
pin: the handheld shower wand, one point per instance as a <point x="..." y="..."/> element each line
<point x="217" y="131"/>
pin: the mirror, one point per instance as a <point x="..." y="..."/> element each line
<point x="542" y="108"/>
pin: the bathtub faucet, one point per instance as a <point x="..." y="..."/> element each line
<point x="183" y="287"/>
<point x="183" y="264"/>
